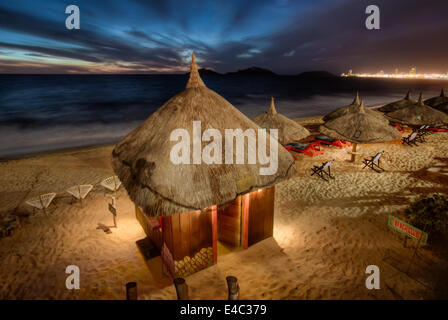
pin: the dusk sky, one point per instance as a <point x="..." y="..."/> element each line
<point x="288" y="37"/>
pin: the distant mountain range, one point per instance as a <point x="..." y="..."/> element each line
<point x="256" y="71"/>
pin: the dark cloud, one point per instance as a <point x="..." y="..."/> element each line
<point x="323" y="35"/>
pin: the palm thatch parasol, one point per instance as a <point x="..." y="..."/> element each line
<point x="288" y="130"/>
<point x="339" y="112"/>
<point x="435" y="101"/>
<point x="359" y="127"/>
<point x="418" y="114"/>
<point x="442" y="107"/>
<point x="161" y="188"/>
<point x="353" y="107"/>
<point x="397" y="105"/>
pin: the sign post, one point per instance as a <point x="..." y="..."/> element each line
<point x="407" y="229"/>
<point x="113" y="210"/>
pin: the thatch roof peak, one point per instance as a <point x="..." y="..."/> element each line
<point x="420" y="100"/>
<point x="272" y="109"/>
<point x="408" y="96"/>
<point x="195" y="80"/>
<point x="356" y="100"/>
<point x="361" y="107"/>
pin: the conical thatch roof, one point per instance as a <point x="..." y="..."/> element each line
<point x="142" y="159"/>
<point x="418" y="114"/>
<point x="442" y="107"/>
<point x="339" y="112"/>
<point x="353" y="107"/>
<point x="360" y="127"/>
<point x="288" y="130"/>
<point x="397" y="105"/>
<point x="442" y="98"/>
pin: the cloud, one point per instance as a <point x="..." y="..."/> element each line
<point x="287" y="37"/>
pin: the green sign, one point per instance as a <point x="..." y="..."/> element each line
<point x="407" y="229"/>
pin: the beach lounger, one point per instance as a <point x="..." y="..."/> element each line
<point x="332" y="142"/>
<point x="411" y="139"/>
<point x="437" y="129"/>
<point x="374" y="162"/>
<point x="310" y="149"/>
<point x="80" y="191"/>
<point x="41" y="202"/>
<point x="112" y="183"/>
<point x="399" y="128"/>
<point x="323" y="171"/>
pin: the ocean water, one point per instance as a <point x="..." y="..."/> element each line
<point x="40" y="113"/>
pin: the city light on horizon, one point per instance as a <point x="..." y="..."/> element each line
<point x="412" y="74"/>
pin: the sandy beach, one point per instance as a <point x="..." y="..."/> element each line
<point x="325" y="233"/>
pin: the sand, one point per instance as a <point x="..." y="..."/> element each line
<point x="325" y="233"/>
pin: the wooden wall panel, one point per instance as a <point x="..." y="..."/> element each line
<point x="261" y="215"/>
<point x="195" y="236"/>
<point x="229" y="223"/>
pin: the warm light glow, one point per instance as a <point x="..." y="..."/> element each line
<point x="259" y="190"/>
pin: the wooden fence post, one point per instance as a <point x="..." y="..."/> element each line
<point x="181" y="289"/>
<point x="234" y="289"/>
<point x="131" y="291"/>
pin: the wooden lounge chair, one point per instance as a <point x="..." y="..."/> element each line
<point x="411" y="139"/>
<point x="399" y="128"/>
<point x="323" y="171"/>
<point x="332" y="142"/>
<point x="374" y="162"/>
<point x="437" y="129"/>
<point x="310" y="149"/>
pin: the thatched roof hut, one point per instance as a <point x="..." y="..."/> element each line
<point x="435" y="101"/>
<point x="161" y="188"/>
<point x="397" y="105"/>
<point x="288" y="130"/>
<point x="353" y="107"/>
<point x="418" y="114"/>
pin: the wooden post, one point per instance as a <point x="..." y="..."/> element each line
<point x="181" y="289"/>
<point x="42" y="204"/>
<point x="353" y="152"/>
<point x="234" y="289"/>
<point x="80" y="198"/>
<point x="215" y="233"/>
<point x="416" y="248"/>
<point x="246" y="200"/>
<point x="131" y="291"/>
<point x="113" y="210"/>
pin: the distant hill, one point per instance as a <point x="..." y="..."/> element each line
<point x="316" y="74"/>
<point x="205" y="71"/>
<point x="252" y="71"/>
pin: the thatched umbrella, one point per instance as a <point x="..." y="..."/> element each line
<point x="288" y="130"/>
<point x="397" y="105"/>
<point x="435" y="101"/>
<point x="339" y="112"/>
<point x="142" y="160"/>
<point x="353" y="107"/>
<point x="418" y="114"/>
<point x="442" y="107"/>
<point x="359" y="127"/>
